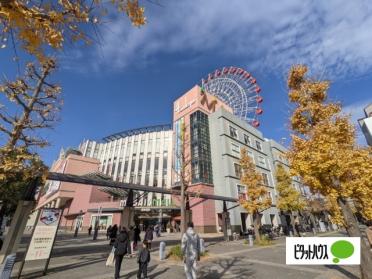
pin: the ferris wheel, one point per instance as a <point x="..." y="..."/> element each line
<point x="238" y="89"/>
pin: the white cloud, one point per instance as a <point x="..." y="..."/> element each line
<point x="331" y="36"/>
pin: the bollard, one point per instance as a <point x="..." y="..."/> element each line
<point x="250" y="239"/>
<point x="162" y="251"/>
<point x="201" y="245"/>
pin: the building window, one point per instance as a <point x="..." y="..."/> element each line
<point x="147" y="179"/>
<point x="108" y="170"/>
<point x="235" y="149"/>
<point x="157" y="161"/>
<point x="132" y="167"/>
<point x="247" y="140"/>
<point x="238" y="170"/>
<point x="155" y="184"/>
<point x="140" y="162"/>
<point x="242" y="192"/>
<point x="233" y="132"/>
<point x="113" y="167"/>
<point x="200" y="148"/>
<point x="139" y="177"/>
<point x="265" y="179"/>
<point x="261" y="161"/>
<point x="258" y="145"/>
<point x="165" y="160"/>
<point x="125" y="167"/>
<point x="119" y="168"/>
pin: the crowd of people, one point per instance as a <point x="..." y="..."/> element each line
<point x="125" y="244"/>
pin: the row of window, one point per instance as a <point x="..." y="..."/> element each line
<point x="246" y="138"/>
<point x="242" y="192"/>
<point x="238" y="173"/>
<point x="235" y="150"/>
<point x="108" y="152"/>
<point x="110" y="169"/>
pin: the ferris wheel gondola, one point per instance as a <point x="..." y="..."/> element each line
<point x="238" y="89"/>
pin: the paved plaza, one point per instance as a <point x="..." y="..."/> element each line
<point x="83" y="258"/>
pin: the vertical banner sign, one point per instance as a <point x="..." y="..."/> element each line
<point x="45" y="232"/>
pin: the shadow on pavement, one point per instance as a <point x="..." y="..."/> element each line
<point x="149" y="270"/>
<point x="38" y="274"/>
<point x="340" y="269"/>
<point x="226" y="267"/>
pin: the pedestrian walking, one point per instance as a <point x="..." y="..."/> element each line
<point x="131" y="239"/>
<point x="297" y="227"/>
<point x="90" y="230"/>
<point x="108" y="232"/>
<point x="137" y="236"/>
<point x="149" y="236"/>
<point x="113" y="233"/>
<point x="157" y="230"/>
<point x="143" y="260"/>
<point x="121" y="249"/>
<point x="312" y="228"/>
<point x="190" y="246"/>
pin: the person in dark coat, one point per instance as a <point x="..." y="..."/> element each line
<point x="149" y="236"/>
<point x="131" y="239"/>
<point x="108" y="232"/>
<point x="90" y="230"/>
<point x="113" y="233"/>
<point x="137" y="236"/>
<point x="121" y="249"/>
<point x="143" y="260"/>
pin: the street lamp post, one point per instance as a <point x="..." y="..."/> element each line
<point x="78" y="223"/>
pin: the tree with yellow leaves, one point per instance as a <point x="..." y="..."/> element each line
<point x="289" y="199"/>
<point x="40" y="24"/>
<point x="325" y="155"/>
<point x="18" y="168"/>
<point x="258" y="198"/>
<point x="35" y="103"/>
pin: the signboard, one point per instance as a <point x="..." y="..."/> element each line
<point x="44" y="234"/>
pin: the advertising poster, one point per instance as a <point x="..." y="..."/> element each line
<point x="44" y="234"/>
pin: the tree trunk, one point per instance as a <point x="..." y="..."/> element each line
<point x="2" y="214"/>
<point x="183" y="209"/>
<point x="352" y="229"/>
<point x="256" y="225"/>
<point x="292" y="223"/>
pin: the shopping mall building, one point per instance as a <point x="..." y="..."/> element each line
<point x="206" y="136"/>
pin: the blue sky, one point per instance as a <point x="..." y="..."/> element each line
<point x="132" y="78"/>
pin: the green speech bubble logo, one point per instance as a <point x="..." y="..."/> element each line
<point x="341" y="249"/>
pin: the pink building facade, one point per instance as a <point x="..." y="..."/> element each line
<point x="80" y="202"/>
<point x="192" y="149"/>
